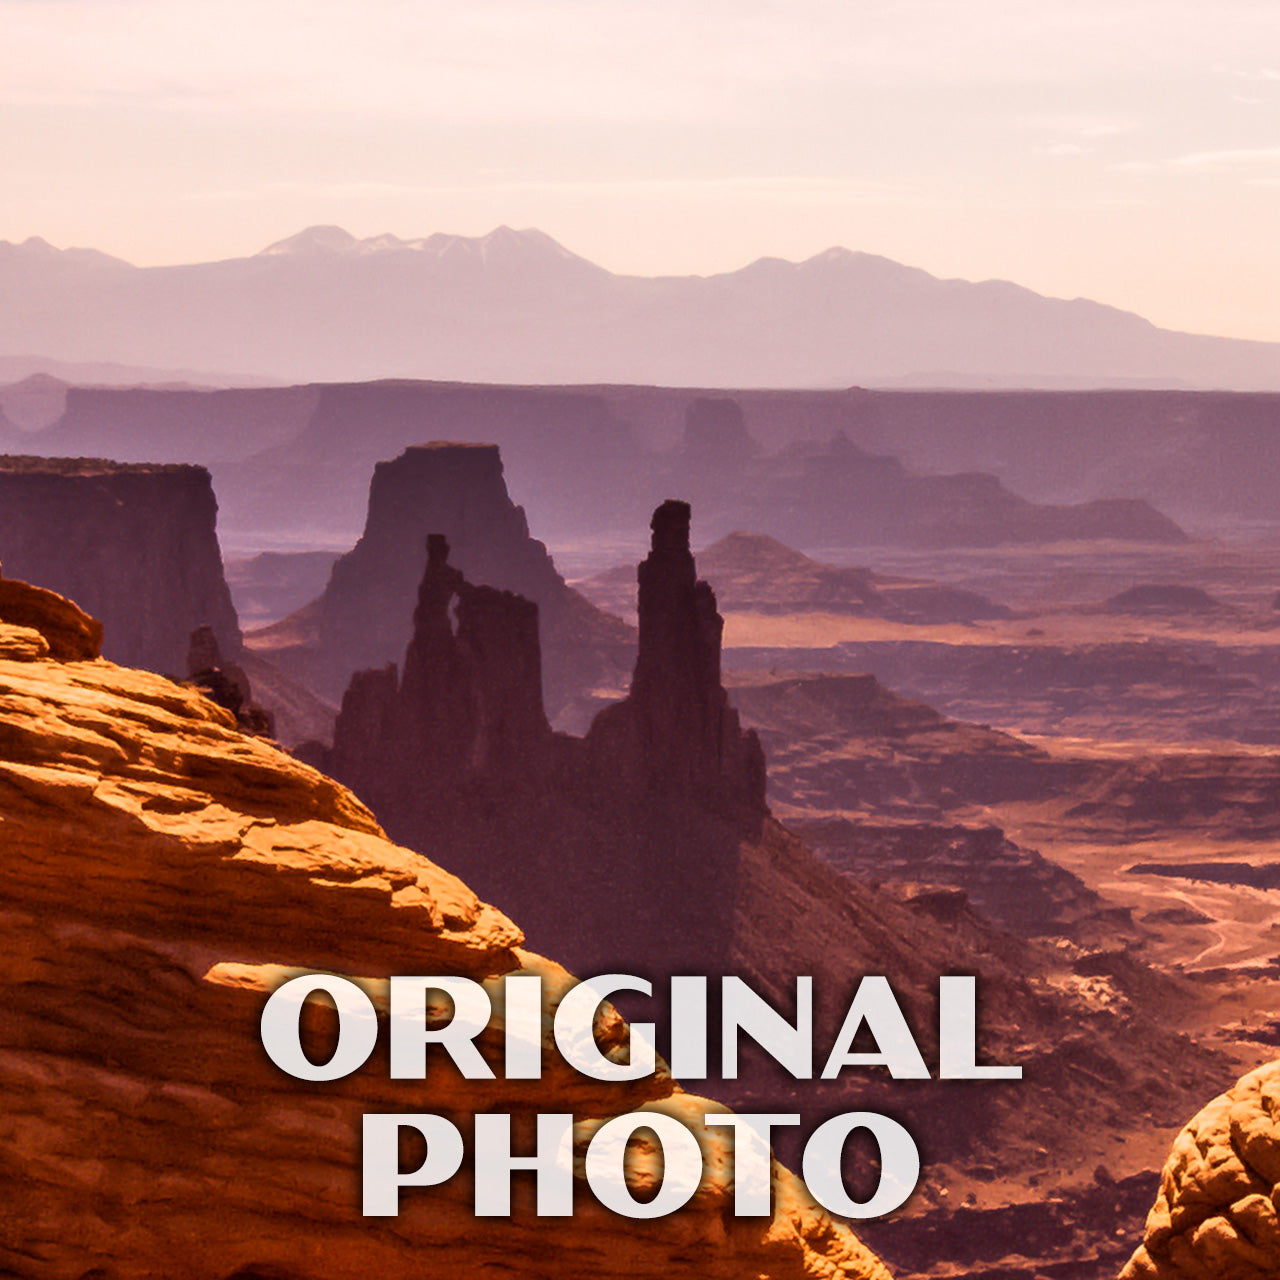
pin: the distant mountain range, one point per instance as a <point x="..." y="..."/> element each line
<point x="517" y="307"/>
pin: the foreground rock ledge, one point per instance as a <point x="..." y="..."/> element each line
<point x="161" y="873"/>
<point x="1216" y="1216"/>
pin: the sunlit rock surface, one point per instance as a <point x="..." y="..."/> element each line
<point x="162" y="872"/>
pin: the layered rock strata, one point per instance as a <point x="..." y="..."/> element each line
<point x="163" y="872"/>
<point x="646" y="848"/>
<point x="133" y="544"/>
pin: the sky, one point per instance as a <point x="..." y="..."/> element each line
<point x="1126" y="151"/>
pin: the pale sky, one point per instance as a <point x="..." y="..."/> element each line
<point x="1126" y="151"/>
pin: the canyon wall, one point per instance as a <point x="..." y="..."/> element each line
<point x="624" y="835"/>
<point x="1003" y="467"/>
<point x="135" y="545"/>
<point x="646" y="847"/>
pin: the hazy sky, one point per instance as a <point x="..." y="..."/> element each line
<point x="1125" y="151"/>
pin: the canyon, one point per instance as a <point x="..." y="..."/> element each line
<point x="138" y="992"/>
<point x="666" y="861"/>
<point x="292" y="465"/>
<point x="363" y="616"/>
<point x="1046" y="763"/>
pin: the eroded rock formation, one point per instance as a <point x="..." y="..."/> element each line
<point x="467" y="710"/>
<point x="610" y="844"/>
<point x="67" y="633"/>
<point x="646" y="848"/>
<point x="364" y="618"/>
<point x="621" y="835"/>
<point x="133" y="544"/>
<point x="675" y="733"/>
<point x="163" y="872"/>
<point x="595" y="459"/>
<point x="1218" y="1213"/>
<point x="888" y="789"/>
<point x="225" y="683"/>
<point x="835" y="492"/>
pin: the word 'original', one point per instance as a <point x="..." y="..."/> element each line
<point x="418" y="1025"/>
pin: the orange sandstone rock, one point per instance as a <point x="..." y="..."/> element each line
<point x="161" y="873"/>
<point x="1216" y="1215"/>
<point x="70" y="634"/>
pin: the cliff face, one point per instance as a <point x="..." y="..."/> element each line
<point x="163" y="872"/>
<point x="836" y="493"/>
<point x="304" y="454"/>
<point x="869" y="779"/>
<point x="1218" y="1213"/>
<point x="135" y="545"/>
<point x="177" y="424"/>
<point x="364" y="617"/>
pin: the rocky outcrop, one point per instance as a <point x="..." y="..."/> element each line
<point x="836" y="493"/>
<point x="68" y="633"/>
<point x="467" y="710"/>
<point x="163" y="872"/>
<point x="455" y="753"/>
<point x="225" y="683"/>
<point x="135" y="545"/>
<point x="646" y="848"/>
<point x="1217" y="1216"/>
<point x="364" y="617"/>
<point x="675" y="733"/>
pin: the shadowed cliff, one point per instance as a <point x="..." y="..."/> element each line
<point x="364" y="616"/>
<point x="814" y="468"/>
<point x="458" y="743"/>
<point x="135" y="545"/>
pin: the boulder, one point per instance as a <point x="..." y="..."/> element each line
<point x="1216" y="1215"/>
<point x="69" y="633"/>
